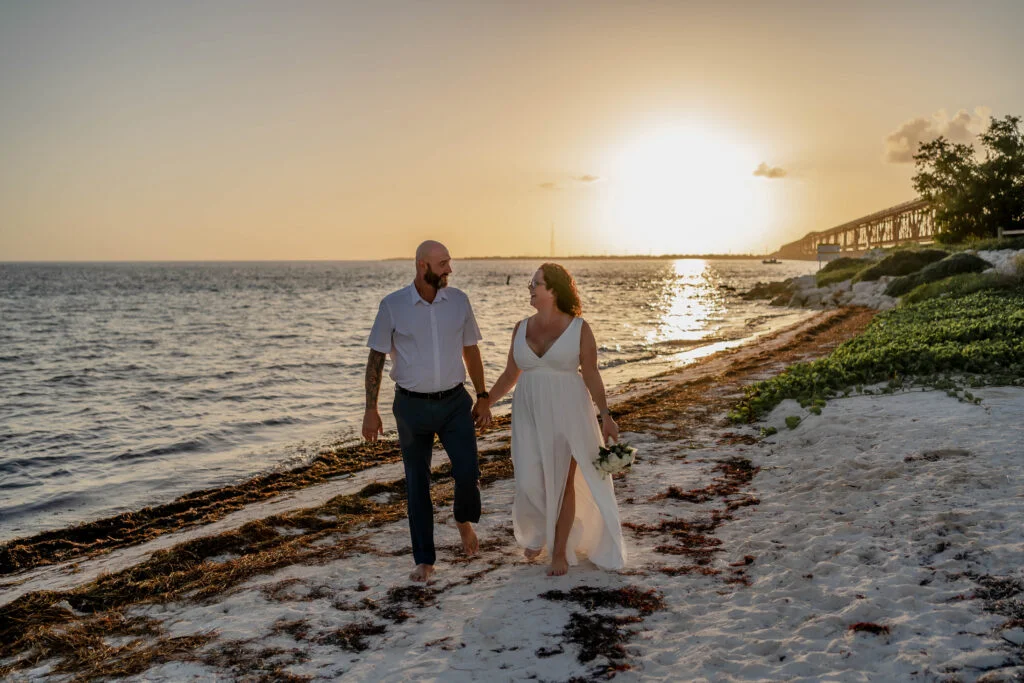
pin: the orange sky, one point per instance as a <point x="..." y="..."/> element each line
<point x="267" y="130"/>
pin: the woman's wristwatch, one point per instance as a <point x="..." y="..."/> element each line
<point x="483" y="394"/>
<point x="602" y="413"/>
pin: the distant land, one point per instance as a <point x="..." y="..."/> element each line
<point x="604" y="257"/>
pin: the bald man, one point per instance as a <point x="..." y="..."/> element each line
<point x="430" y="333"/>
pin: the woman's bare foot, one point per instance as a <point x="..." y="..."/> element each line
<point x="531" y="554"/>
<point x="422" y="572"/>
<point x="469" y="540"/>
<point x="559" y="566"/>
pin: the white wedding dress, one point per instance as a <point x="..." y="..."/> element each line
<point x="553" y="419"/>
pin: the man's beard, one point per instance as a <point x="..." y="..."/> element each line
<point x="434" y="280"/>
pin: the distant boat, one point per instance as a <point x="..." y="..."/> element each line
<point x="770" y="260"/>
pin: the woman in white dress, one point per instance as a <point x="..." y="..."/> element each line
<point x="562" y="502"/>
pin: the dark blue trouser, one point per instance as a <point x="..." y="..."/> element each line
<point x="451" y="419"/>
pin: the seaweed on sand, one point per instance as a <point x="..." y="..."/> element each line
<point x="599" y="635"/>
<point x="1001" y="595"/>
<point x="869" y="627"/>
<point x="84" y="648"/>
<point x="631" y="597"/>
<point x="603" y="634"/>
<point x="198" y="507"/>
<point x="353" y="637"/>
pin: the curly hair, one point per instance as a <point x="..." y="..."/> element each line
<point x="558" y="280"/>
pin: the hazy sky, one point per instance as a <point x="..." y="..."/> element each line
<point x="348" y="130"/>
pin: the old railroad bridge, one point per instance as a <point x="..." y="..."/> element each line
<point x="912" y="221"/>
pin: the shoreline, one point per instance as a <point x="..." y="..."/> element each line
<point x="77" y="543"/>
<point x="338" y="457"/>
<point x="751" y="557"/>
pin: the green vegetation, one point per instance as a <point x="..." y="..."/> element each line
<point x="992" y="244"/>
<point x="955" y="264"/>
<point x="944" y="343"/>
<point x="901" y="263"/>
<point x="840" y="269"/>
<point x="974" y="197"/>
<point x="792" y="421"/>
<point x="960" y="285"/>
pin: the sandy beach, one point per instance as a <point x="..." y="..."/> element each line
<point x="879" y="540"/>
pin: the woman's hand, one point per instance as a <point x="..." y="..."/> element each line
<point x="609" y="430"/>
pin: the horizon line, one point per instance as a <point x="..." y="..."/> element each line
<point x="404" y="258"/>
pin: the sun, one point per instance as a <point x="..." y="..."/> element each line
<point x="681" y="190"/>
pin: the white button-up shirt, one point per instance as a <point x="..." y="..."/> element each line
<point x="425" y="340"/>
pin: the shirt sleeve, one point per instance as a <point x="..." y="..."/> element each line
<point x="470" y="330"/>
<point x="380" y="333"/>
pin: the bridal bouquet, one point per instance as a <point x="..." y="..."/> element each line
<point x="614" y="458"/>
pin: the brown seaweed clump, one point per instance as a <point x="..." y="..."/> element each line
<point x="869" y="627"/>
<point x="599" y="635"/>
<point x="630" y="597"/>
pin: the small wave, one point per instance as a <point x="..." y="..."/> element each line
<point x="675" y="344"/>
<point x="333" y="365"/>
<point x="245" y="427"/>
<point x="615" y="362"/>
<point x="189" y="446"/>
<point x="69" y="380"/>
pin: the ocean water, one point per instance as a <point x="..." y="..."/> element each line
<point x="127" y="384"/>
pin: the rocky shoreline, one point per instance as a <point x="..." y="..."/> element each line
<point x="805" y="292"/>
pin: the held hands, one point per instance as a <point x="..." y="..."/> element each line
<point x="482" y="412"/>
<point x="372" y="425"/>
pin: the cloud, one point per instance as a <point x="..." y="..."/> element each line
<point x="548" y="186"/>
<point x="587" y="178"/>
<point x="766" y="171"/>
<point x="902" y="144"/>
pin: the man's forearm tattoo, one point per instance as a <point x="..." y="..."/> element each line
<point x="374" y="373"/>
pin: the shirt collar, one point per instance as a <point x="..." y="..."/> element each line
<point x="442" y="295"/>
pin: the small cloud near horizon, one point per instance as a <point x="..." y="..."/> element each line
<point x="763" y="170"/>
<point x="584" y="178"/>
<point x="902" y="144"/>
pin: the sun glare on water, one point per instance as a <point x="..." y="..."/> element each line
<point x="683" y="190"/>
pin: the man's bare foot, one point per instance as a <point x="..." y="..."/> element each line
<point x="422" y="572"/>
<point x="531" y="554"/>
<point x="469" y="540"/>
<point x="559" y="566"/>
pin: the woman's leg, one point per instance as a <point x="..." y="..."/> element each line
<point x="566" y="516"/>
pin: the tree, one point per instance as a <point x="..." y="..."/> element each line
<point x="974" y="197"/>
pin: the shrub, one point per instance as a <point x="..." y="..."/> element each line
<point x="839" y="270"/>
<point x="959" y="285"/>
<point x="792" y="421"/>
<point x="901" y="263"/>
<point x="991" y="244"/>
<point x="980" y="334"/>
<point x="955" y="264"/>
<point x="843" y="263"/>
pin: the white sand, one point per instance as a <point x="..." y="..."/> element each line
<point x="875" y="511"/>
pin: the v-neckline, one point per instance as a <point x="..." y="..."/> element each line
<point x="526" y="340"/>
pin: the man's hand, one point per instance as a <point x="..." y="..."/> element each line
<point x="609" y="430"/>
<point x="372" y="425"/>
<point x="482" y="412"/>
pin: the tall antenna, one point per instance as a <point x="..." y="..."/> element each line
<point x="552" y="239"/>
